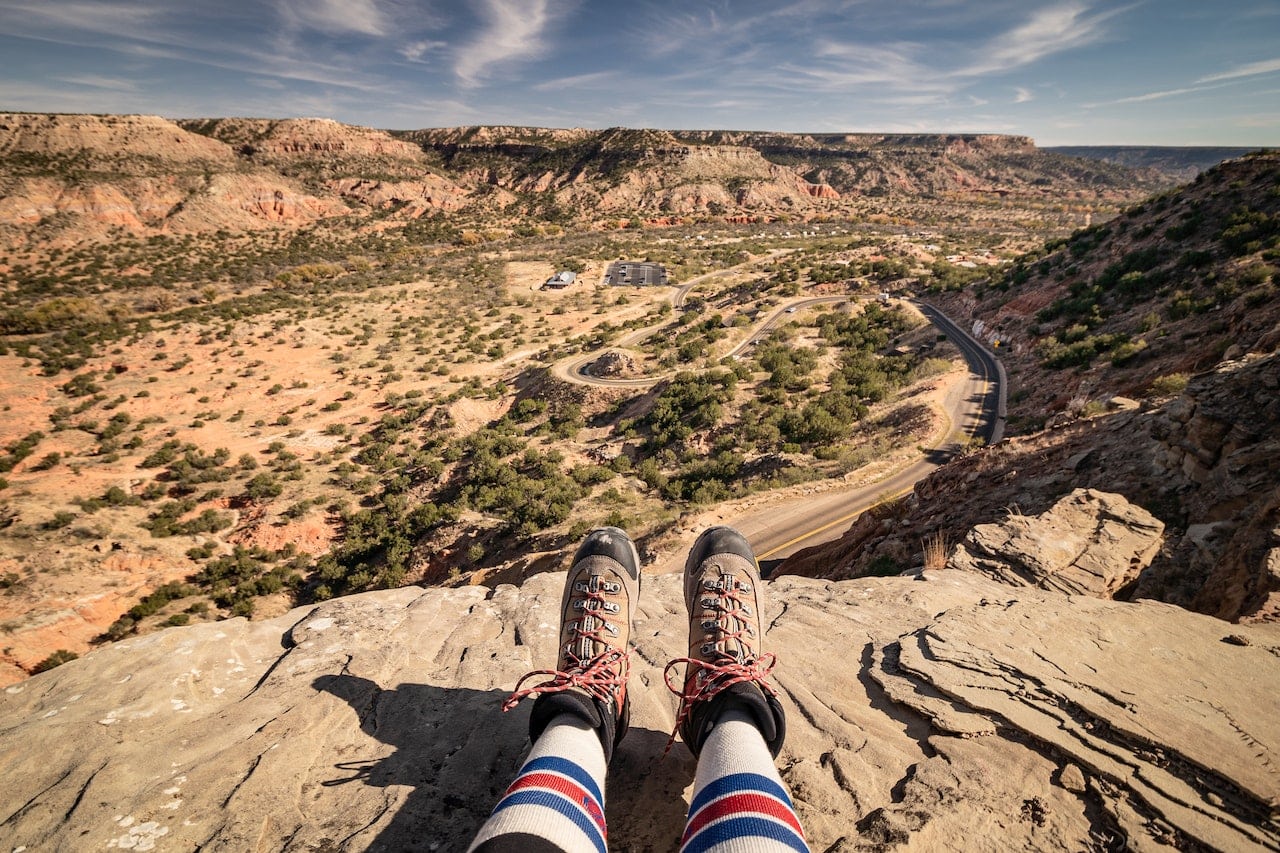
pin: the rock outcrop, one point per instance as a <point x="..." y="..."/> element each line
<point x="128" y="144"/>
<point x="430" y="193"/>
<point x="1088" y="543"/>
<point x="72" y="178"/>
<point x="314" y="146"/>
<point x="614" y="363"/>
<point x="1203" y="464"/>
<point x="730" y="173"/>
<point x="921" y="711"/>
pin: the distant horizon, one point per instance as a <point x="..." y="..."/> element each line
<point x="391" y="129"/>
<point x="1178" y="73"/>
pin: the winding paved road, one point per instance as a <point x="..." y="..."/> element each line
<point x="976" y="408"/>
<point x="574" y="368"/>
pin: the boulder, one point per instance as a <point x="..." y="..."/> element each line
<point x="1088" y="543"/>
<point x="922" y="711"/>
<point x="614" y="364"/>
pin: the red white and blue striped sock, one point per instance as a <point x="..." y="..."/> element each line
<point x="739" y="802"/>
<point x="557" y="799"/>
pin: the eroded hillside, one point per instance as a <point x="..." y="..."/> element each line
<point x="66" y="179"/>
<point x="252" y="363"/>
<point x="1140" y="302"/>
<point x="1147" y="346"/>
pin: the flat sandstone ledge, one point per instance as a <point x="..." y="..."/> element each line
<point x="944" y="711"/>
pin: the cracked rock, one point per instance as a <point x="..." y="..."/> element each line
<point x="920" y="711"/>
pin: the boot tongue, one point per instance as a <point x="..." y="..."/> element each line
<point x="583" y="646"/>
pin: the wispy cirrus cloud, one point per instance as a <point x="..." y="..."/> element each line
<point x="1060" y="28"/>
<point x="844" y="66"/>
<point x="96" y="81"/>
<point x="836" y="63"/>
<point x="1266" y="66"/>
<point x="591" y="80"/>
<point x="162" y="32"/>
<point x="1159" y="96"/>
<point x="1204" y="84"/>
<point x="512" y="31"/>
<point x="419" y="50"/>
<point x="336" y="16"/>
<point x="46" y="20"/>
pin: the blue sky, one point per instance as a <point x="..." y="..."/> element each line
<point x="1149" y="72"/>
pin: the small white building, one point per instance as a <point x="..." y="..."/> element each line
<point x="560" y="280"/>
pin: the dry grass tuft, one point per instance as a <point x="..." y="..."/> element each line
<point x="936" y="548"/>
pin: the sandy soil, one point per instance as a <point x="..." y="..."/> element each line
<point x="186" y="384"/>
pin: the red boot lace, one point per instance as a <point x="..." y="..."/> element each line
<point x="727" y="670"/>
<point x="718" y="677"/>
<point x="601" y="677"/>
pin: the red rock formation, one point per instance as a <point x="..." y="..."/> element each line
<point x="819" y="190"/>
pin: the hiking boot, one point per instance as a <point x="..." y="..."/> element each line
<point x="590" y="678"/>
<point x="725" y="668"/>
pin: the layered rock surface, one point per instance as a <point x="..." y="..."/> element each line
<point x="921" y="711"/>
<point x="1088" y="543"/>
<point x="68" y="178"/>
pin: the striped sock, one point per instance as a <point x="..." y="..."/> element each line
<point x="739" y="802"/>
<point x="557" y="799"/>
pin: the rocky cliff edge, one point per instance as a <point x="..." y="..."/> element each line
<point x="937" y="711"/>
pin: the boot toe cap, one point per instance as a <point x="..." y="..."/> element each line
<point x="611" y="542"/>
<point x="720" y="540"/>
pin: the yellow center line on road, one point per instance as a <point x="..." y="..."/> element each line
<point x="841" y="520"/>
<point x="968" y="431"/>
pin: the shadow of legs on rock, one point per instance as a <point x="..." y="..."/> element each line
<point x="644" y="797"/>
<point x="453" y="752"/>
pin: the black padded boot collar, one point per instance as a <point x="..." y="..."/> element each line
<point x="610" y="730"/>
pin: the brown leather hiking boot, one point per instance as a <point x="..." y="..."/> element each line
<point x="590" y="678"/>
<point x="725" y="667"/>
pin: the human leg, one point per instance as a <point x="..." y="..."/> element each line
<point x="580" y="713"/>
<point x="557" y="799"/>
<point x="730" y="717"/>
<point x="739" y="801"/>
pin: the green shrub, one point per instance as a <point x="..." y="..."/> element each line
<point x="48" y="461"/>
<point x="263" y="487"/>
<point x="20" y="450"/>
<point x="158" y="599"/>
<point x="165" y="454"/>
<point x="1127" y="352"/>
<point x="60" y="519"/>
<point x="56" y="659"/>
<point x="1173" y="383"/>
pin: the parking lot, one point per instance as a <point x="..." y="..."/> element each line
<point x="636" y="274"/>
